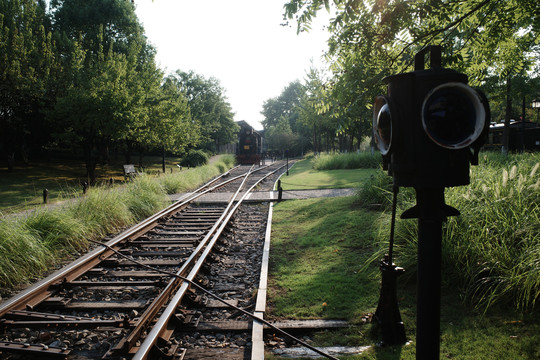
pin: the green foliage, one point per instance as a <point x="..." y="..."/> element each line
<point x="209" y="108"/>
<point x="490" y="252"/>
<point x="361" y="160"/>
<point x="280" y="137"/>
<point x="28" y="64"/>
<point x="30" y="245"/>
<point x="194" y="158"/>
<point x="373" y="39"/>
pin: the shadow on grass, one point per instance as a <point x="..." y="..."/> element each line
<point x="388" y="352"/>
<point x="318" y="250"/>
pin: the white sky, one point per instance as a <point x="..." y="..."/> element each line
<point x="239" y="42"/>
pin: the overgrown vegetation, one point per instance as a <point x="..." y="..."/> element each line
<point x="34" y="243"/>
<point x="490" y="251"/>
<point x="354" y="160"/>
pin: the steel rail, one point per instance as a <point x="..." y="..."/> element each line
<point x="152" y="310"/>
<point x="38" y="292"/>
<point x="162" y="322"/>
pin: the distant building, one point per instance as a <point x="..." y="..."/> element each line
<point x="523" y="135"/>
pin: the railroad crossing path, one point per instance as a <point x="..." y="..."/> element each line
<point x="273" y="195"/>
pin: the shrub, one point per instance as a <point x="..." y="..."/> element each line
<point x="361" y="160"/>
<point x="195" y="158"/>
<point x="490" y="252"/>
<point x="377" y="190"/>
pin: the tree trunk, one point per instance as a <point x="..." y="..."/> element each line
<point x="163" y="158"/>
<point x="91" y="162"/>
<point x="506" y="130"/>
<point x="129" y="151"/>
<point x="10" y="160"/>
<point x="25" y="152"/>
<point x="314" y="140"/>
<point x="141" y="154"/>
<point x="105" y="153"/>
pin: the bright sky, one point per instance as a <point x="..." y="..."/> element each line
<point x="239" y="42"/>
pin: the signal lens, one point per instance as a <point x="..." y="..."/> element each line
<point x="453" y="115"/>
<point x="382" y="124"/>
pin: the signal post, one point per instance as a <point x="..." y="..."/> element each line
<point x="429" y="128"/>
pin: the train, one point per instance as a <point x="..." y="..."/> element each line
<point x="250" y="145"/>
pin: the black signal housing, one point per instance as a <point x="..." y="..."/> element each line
<point x="431" y="125"/>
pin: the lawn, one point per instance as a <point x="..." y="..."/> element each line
<point x="23" y="187"/>
<point x="322" y="264"/>
<point x="318" y="250"/>
<point x="303" y="176"/>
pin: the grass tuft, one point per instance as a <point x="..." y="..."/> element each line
<point x="32" y="244"/>
<point x="491" y="250"/>
<point x="361" y="160"/>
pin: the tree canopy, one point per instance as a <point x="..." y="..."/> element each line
<point x="81" y="78"/>
<point x="486" y="39"/>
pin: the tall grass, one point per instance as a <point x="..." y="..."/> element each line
<point x="492" y="250"/>
<point x="361" y="160"/>
<point x="32" y="244"/>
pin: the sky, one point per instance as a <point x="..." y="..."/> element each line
<point x="239" y="42"/>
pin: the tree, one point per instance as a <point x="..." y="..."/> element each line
<point x="286" y="107"/>
<point x="209" y="108"/>
<point x="114" y="21"/>
<point x="280" y="137"/>
<point x="109" y="93"/>
<point x="313" y="111"/>
<point x="96" y="109"/>
<point x="382" y="36"/>
<point x="27" y="68"/>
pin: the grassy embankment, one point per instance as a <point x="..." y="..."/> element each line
<point x="331" y="172"/>
<point x="23" y="187"/>
<point x="320" y="248"/>
<point x="33" y="244"/>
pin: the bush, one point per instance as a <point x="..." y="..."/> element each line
<point x="195" y="158"/>
<point x="377" y="190"/>
<point x="490" y="252"/>
<point x="362" y="160"/>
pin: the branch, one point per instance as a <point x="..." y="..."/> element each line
<point x="434" y="33"/>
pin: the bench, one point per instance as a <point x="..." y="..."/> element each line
<point x="129" y="171"/>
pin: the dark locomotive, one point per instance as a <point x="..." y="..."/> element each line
<point x="249" y="147"/>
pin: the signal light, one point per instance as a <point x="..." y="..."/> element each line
<point x="453" y="115"/>
<point x="430" y="126"/>
<point x="382" y="124"/>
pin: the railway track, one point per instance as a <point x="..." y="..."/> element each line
<point x="141" y="295"/>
